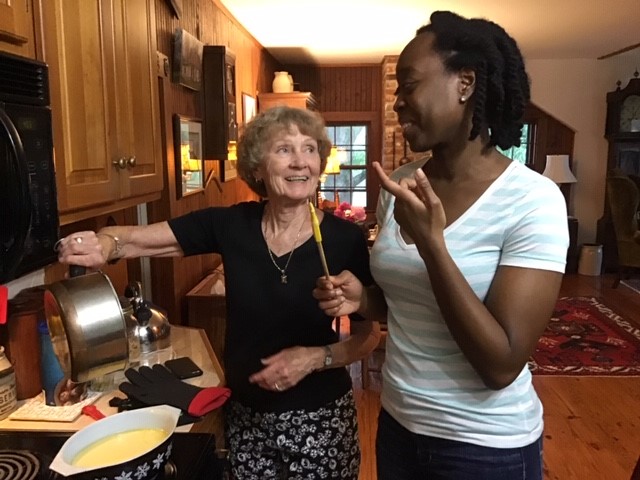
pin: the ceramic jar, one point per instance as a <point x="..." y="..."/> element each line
<point x="282" y="83"/>
<point x="7" y="386"/>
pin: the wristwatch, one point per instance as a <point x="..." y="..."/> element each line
<point x="328" y="356"/>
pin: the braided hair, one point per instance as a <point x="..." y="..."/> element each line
<point x="502" y="85"/>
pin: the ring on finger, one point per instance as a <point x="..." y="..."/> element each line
<point x="276" y="386"/>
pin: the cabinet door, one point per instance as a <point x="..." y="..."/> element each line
<point x="79" y="48"/>
<point x="16" y="27"/>
<point x="137" y="103"/>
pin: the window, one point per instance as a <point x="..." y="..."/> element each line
<point x="350" y="185"/>
<point x="523" y="153"/>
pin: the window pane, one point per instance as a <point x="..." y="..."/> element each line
<point x="359" y="135"/>
<point x="524" y="152"/>
<point x="351" y="183"/>
<point x="359" y="157"/>
<point x="343" y="136"/>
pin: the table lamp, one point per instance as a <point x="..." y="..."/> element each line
<point x="557" y="169"/>
<point x="333" y="168"/>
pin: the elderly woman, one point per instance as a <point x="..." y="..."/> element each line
<point x="292" y="412"/>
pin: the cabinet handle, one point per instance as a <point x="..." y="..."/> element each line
<point x="131" y="161"/>
<point x="121" y="163"/>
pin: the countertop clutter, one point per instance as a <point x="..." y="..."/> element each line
<point x="185" y="342"/>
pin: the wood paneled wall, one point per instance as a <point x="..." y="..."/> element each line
<point x="348" y="88"/>
<point x="210" y="22"/>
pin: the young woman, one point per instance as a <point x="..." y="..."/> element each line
<point x="470" y="257"/>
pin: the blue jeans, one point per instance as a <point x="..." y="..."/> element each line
<point x="402" y="455"/>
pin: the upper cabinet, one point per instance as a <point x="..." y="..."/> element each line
<point x="16" y="27"/>
<point x="294" y="99"/>
<point x="105" y="105"/>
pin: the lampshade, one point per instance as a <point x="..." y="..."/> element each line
<point x="333" y="162"/>
<point x="557" y="169"/>
<point x="232" y="148"/>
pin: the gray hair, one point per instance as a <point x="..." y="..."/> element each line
<point x="260" y="132"/>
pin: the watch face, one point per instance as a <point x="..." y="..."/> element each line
<point x="630" y="114"/>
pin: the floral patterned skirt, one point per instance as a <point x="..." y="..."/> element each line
<point x="298" y="444"/>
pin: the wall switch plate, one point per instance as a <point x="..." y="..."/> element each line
<point x="162" y="65"/>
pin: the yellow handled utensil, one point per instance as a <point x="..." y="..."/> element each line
<point x="318" y="236"/>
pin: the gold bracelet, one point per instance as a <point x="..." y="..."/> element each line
<point x="116" y="242"/>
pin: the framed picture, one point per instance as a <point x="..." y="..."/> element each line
<point x="187" y="140"/>
<point x="228" y="169"/>
<point x="248" y="108"/>
<point x="187" y="60"/>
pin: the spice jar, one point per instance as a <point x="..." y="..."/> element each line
<point x="7" y="386"/>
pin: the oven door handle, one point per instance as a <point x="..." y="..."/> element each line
<point x="14" y="253"/>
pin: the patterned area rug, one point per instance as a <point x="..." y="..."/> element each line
<point x="585" y="337"/>
<point x="632" y="283"/>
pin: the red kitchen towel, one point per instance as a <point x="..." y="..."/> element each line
<point x="4" y="296"/>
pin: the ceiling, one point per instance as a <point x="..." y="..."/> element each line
<point x="363" y="31"/>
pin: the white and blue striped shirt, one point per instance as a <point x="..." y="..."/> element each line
<point x="429" y="386"/>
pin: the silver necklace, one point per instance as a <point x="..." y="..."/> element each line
<point x="283" y="271"/>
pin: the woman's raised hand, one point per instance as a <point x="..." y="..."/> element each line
<point x="417" y="209"/>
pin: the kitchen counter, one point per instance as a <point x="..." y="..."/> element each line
<point x="185" y="341"/>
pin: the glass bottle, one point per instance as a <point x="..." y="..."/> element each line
<point x="50" y="369"/>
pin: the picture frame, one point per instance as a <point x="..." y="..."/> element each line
<point x="248" y="108"/>
<point x="189" y="162"/>
<point x="228" y="170"/>
<point x="187" y="60"/>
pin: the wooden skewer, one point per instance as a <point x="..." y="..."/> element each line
<point x="318" y="237"/>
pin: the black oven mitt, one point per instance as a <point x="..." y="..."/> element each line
<point x="158" y="386"/>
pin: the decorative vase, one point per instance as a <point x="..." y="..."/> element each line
<point x="281" y="83"/>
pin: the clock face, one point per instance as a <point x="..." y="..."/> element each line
<point x="630" y="114"/>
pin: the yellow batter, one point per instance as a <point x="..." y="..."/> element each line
<point x="119" y="447"/>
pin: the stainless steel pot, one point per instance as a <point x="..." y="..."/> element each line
<point x="87" y="326"/>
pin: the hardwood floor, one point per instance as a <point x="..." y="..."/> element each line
<point x="592" y="424"/>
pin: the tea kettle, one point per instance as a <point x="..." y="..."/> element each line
<point x="153" y="329"/>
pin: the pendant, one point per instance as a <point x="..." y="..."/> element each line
<point x="283" y="278"/>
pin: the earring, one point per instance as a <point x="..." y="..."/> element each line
<point x="463" y="99"/>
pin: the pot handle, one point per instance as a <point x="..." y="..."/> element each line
<point x="77" y="270"/>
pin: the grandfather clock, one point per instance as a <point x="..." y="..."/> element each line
<point x="622" y="131"/>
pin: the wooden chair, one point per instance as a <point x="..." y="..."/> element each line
<point x="624" y="197"/>
<point x="365" y="363"/>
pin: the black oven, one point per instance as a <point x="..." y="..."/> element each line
<point x="28" y="204"/>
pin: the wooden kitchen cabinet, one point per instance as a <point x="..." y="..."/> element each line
<point x="294" y="99"/>
<point x="17" y="27"/>
<point x="105" y="104"/>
